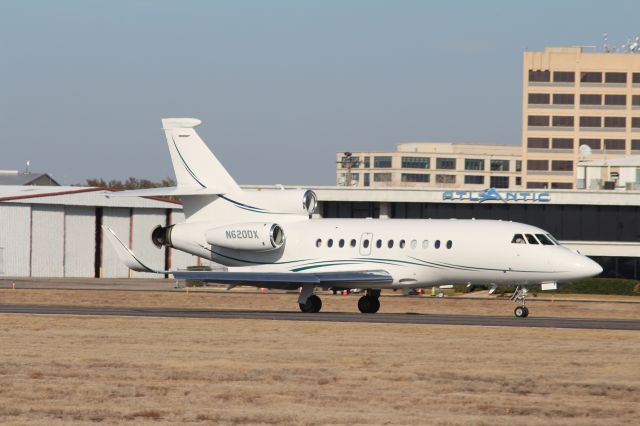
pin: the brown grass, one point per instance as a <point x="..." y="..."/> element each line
<point x="199" y="299"/>
<point x="113" y="370"/>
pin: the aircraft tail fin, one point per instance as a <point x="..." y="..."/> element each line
<point x="194" y="164"/>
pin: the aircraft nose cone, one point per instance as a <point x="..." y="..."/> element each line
<point x="588" y="268"/>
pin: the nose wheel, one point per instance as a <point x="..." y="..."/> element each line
<point x="520" y="296"/>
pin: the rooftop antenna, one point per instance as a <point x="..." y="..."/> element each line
<point x="26" y="170"/>
<point x="585" y="151"/>
<point x="605" y="45"/>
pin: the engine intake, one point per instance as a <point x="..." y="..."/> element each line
<point x="161" y="236"/>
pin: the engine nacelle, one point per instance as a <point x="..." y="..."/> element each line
<point x="161" y="236"/>
<point x="257" y="236"/>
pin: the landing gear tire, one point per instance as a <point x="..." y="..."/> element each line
<point x="312" y="305"/>
<point x="521" y="312"/>
<point x="368" y="304"/>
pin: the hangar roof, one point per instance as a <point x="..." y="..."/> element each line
<point x="78" y="196"/>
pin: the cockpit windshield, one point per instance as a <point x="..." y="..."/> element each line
<point x="544" y="239"/>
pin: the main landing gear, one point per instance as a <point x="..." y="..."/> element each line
<point x="520" y="296"/>
<point x="308" y="301"/>
<point x="370" y="303"/>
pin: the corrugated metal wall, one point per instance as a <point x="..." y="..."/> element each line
<point x="47" y="241"/>
<point x="15" y="235"/>
<point x="80" y="241"/>
<point x="144" y="221"/>
<point x="118" y="220"/>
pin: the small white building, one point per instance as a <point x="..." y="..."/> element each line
<point x="614" y="173"/>
<point x="55" y="231"/>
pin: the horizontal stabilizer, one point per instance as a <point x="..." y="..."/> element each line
<point x="172" y="191"/>
<point x="125" y="255"/>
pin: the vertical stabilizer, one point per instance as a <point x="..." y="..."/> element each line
<point x="194" y="164"/>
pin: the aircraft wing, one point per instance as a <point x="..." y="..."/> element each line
<point x="289" y="280"/>
<point x="282" y="280"/>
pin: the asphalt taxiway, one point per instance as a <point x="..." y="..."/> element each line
<point x="333" y="317"/>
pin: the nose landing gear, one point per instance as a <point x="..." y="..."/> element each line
<point x="520" y="296"/>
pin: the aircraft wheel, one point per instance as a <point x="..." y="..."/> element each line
<point x="312" y="305"/>
<point x="368" y="304"/>
<point x="521" y="312"/>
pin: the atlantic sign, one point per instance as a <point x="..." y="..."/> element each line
<point x="493" y="194"/>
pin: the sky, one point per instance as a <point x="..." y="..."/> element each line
<point x="280" y="86"/>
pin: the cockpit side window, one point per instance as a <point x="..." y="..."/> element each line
<point x="531" y="239"/>
<point x="544" y="240"/>
<point x="518" y="239"/>
<point x="552" y="238"/>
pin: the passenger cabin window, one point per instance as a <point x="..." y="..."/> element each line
<point x="544" y="240"/>
<point x="365" y="243"/>
<point x="414" y="244"/>
<point x="329" y="243"/>
<point x="449" y="244"/>
<point x="531" y="239"/>
<point x="518" y="239"/>
<point x="379" y="243"/>
<point x="341" y="243"/>
<point x="437" y="244"/>
<point x="390" y="244"/>
<point x="401" y="244"/>
<point x="425" y="244"/>
<point x="353" y="242"/>
<point x="318" y="242"/>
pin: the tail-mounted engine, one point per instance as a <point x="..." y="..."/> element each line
<point x="161" y="236"/>
<point x="258" y="236"/>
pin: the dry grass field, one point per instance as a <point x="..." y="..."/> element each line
<point x="79" y="370"/>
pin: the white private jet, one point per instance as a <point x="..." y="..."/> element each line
<point x="268" y="239"/>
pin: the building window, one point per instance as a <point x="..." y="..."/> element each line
<point x="539" y="98"/>
<point x="562" y="166"/>
<point x="635" y="122"/>
<point x="367" y="182"/>
<point x="415" y="162"/>
<point x="382" y="177"/>
<point x="636" y="77"/>
<point x="591" y="77"/>
<point x="538" y="143"/>
<point x="518" y="181"/>
<point x="539" y="76"/>
<point x="537" y="185"/>
<point x="564" y="76"/>
<point x="474" y="180"/>
<point x="382" y="162"/>
<point x="473" y="164"/>
<point x="415" y="177"/>
<point x="590" y="99"/>
<point x="445" y="163"/>
<point x="562" y="143"/>
<point x="445" y="178"/>
<point x="562" y="121"/>
<point x="614" y="144"/>
<point x="563" y="99"/>
<point x="561" y="185"/>
<point x="590" y="121"/>
<point x="591" y="143"/>
<point x="615" y="122"/>
<point x="635" y="100"/>
<point x="635" y="144"/>
<point x="615" y="100"/>
<point x="538" y="120"/>
<point x="367" y="162"/>
<point x="499" y="165"/>
<point x="542" y="165"/>
<point x="518" y="165"/>
<point x="499" y="181"/>
<point x="615" y="77"/>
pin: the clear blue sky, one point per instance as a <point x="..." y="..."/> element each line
<point x="280" y="85"/>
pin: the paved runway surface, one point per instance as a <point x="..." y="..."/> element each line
<point x="478" y="320"/>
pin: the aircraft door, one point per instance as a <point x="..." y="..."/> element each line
<point x="366" y="240"/>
